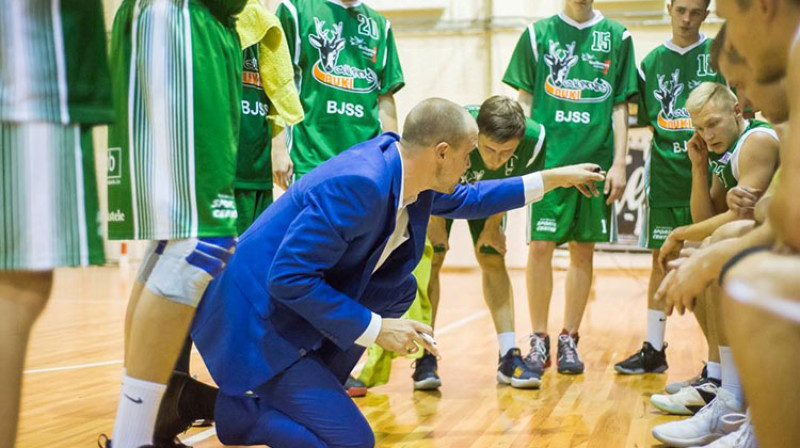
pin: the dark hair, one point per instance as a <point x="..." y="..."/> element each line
<point x="501" y="119"/>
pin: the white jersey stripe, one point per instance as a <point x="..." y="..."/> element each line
<point x="538" y="148"/>
<point x="80" y="198"/>
<point x="297" y="42"/>
<point x="187" y="27"/>
<point x="132" y="158"/>
<point x="61" y="66"/>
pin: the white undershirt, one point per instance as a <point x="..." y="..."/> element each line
<point x="534" y="191"/>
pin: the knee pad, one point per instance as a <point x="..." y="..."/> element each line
<point x="184" y="268"/>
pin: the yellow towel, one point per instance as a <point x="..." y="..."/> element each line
<point x="378" y="366"/>
<point x="257" y="25"/>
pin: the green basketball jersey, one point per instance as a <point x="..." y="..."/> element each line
<point x="53" y="62"/>
<point x="527" y="158"/>
<point x="576" y="74"/>
<point x="666" y="77"/>
<point x="254" y="156"/>
<point x="726" y="166"/>
<point x="344" y="57"/>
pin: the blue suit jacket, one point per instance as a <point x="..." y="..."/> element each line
<point x="303" y="273"/>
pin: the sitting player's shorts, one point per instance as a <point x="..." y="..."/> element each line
<point x="177" y="73"/>
<point x="659" y="222"/>
<point x="566" y="215"/>
<point x="249" y="206"/>
<point x="475" y="228"/>
<point x="49" y="214"/>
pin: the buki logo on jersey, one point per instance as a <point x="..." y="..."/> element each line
<point x="671" y="118"/>
<point x="328" y="71"/>
<point x="250" y="74"/>
<point x="470" y="176"/>
<point x="558" y="85"/>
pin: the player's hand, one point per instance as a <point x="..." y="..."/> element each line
<point x="684" y="283"/>
<point x="437" y="232"/>
<point x="492" y="236"/>
<point x="670" y="250"/>
<point x="402" y="336"/>
<point x="615" y="183"/>
<point x="282" y="166"/>
<point x="742" y="201"/>
<point x="698" y="150"/>
<point x="582" y="176"/>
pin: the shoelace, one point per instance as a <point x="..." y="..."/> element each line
<point x="538" y="349"/>
<point x="570" y="349"/>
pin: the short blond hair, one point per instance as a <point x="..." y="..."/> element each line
<point x="708" y="92"/>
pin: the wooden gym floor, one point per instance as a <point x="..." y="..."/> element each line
<point x="73" y="370"/>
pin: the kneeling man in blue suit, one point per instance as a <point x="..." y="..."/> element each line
<point x="326" y="272"/>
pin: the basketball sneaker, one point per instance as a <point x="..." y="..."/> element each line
<point x="513" y="370"/>
<point x="704" y="427"/>
<point x="426" y="376"/>
<point x="538" y="358"/>
<point x="686" y="402"/>
<point x="646" y="360"/>
<point x="568" y="360"/>
<point x="743" y="437"/>
<point x="674" y="388"/>
<point x="355" y="387"/>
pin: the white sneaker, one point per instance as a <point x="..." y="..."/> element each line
<point x="686" y="402"/>
<point x="704" y="427"/>
<point x="744" y="437"/>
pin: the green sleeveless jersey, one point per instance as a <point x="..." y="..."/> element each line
<point x="53" y="62"/>
<point x="344" y="57"/>
<point x="254" y="155"/>
<point x="576" y="74"/>
<point x="666" y="77"/>
<point x="527" y="158"/>
<point x="726" y="166"/>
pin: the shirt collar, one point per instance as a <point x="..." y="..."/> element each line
<point x="683" y="50"/>
<point x="345" y="5"/>
<point x="598" y="16"/>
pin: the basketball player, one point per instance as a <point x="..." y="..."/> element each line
<point x="579" y="94"/>
<point x="666" y="77"/>
<point x="177" y="69"/>
<point x="49" y="214"/>
<point x="509" y="144"/>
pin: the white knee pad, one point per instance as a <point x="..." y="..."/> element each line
<point x="183" y="268"/>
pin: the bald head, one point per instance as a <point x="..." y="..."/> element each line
<point x="436" y="120"/>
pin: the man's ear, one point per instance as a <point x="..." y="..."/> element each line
<point x="441" y="150"/>
<point x="737" y="109"/>
<point x="768" y="7"/>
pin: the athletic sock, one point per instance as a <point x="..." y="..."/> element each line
<point x="730" y="374"/>
<point x="506" y="341"/>
<point x="136" y="412"/>
<point x="714" y="370"/>
<point x="656" y="327"/>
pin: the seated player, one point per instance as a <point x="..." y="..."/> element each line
<point x="509" y="144"/>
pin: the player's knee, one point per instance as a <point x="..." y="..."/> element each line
<point x="359" y="435"/>
<point x="581" y="253"/>
<point x="491" y="263"/>
<point x="185" y="267"/>
<point x="540" y="249"/>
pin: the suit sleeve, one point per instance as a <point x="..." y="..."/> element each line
<point x="336" y="213"/>
<point x="487" y="198"/>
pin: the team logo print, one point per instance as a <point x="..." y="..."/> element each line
<point x="669" y="117"/>
<point x="250" y="75"/>
<point x="328" y="71"/>
<point x="558" y="85"/>
<point x="470" y="177"/>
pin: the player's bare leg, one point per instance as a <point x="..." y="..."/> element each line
<point x="761" y="305"/>
<point x="23" y="296"/>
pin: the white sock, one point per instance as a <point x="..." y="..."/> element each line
<point x="136" y="412"/>
<point x="506" y="341"/>
<point x="730" y="374"/>
<point x="714" y="370"/>
<point x="656" y="327"/>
